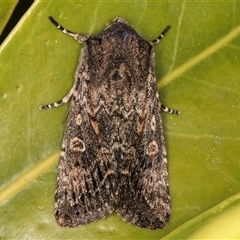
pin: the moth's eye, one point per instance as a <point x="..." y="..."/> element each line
<point x="99" y="40"/>
<point x="120" y="33"/>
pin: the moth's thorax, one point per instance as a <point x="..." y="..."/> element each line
<point x="121" y="36"/>
<point x="119" y="54"/>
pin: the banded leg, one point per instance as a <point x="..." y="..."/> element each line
<point x="156" y="41"/>
<point x="60" y="102"/>
<point x="80" y="38"/>
<point x="169" y="110"/>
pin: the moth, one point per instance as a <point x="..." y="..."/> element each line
<point x="113" y="155"/>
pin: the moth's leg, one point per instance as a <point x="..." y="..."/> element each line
<point x="169" y="110"/>
<point x="79" y="37"/>
<point x="60" y="102"/>
<point x="157" y="40"/>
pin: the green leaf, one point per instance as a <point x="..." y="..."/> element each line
<point x="219" y="222"/>
<point x="198" y="71"/>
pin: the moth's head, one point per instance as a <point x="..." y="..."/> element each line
<point x="117" y="20"/>
<point x="120" y="29"/>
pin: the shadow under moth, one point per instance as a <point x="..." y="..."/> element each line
<point x="113" y="155"/>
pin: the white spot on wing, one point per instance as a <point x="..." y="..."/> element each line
<point x="77" y="145"/>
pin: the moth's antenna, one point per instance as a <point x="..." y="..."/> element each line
<point x="79" y="37"/>
<point x="157" y="40"/>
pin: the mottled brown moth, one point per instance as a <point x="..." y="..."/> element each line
<point x="113" y="155"/>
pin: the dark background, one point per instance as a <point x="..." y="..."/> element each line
<point x="18" y="12"/>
